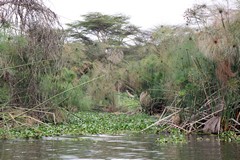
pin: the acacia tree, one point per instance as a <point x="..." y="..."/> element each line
<point x="104" y="36"/>
<point x="111" y="29"/>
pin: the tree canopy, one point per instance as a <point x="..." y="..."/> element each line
<point x="111" y="29"/>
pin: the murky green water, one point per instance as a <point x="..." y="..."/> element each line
<point x="117" y="147"/>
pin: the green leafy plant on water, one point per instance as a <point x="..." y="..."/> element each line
<point x="85" y="123"/>
<point x="174" y="136"/>
<point x="229" y="136"/>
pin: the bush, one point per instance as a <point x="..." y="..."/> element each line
<point x="75" y="98"/>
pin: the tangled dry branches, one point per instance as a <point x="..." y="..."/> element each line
<point x="23" y="14"/>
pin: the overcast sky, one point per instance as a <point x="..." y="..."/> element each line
<point x="143" y="13"/>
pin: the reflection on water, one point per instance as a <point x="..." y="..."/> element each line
<point x="117" y="147"/>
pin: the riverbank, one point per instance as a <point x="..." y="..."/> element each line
<point x="93" y="123"/>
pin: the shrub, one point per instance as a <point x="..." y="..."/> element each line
<point x="73" y="99"/>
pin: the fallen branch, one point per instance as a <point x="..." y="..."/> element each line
<point x="14" y="120"/>
<point x="181" y="128"/>
<point x="37" y="120"/>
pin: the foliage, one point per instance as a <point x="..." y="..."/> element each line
<point x="174" y="72"/>
<point x="174" y="136"/>
<point x="189" y="76"/>
<point x="74" y="55"/>
<point x="125" y="102"/>
<point x="218" y="40"/>
<point x="75" y="99"/>
<point x="147" y="74"/>
<point x="84" y="123"/>
<point x="110" y="29"/>
<point x="191" y="69"/>
<point x="31" y="48"/>
<point x="229" y="136"/>
<point x="4" y="94"/>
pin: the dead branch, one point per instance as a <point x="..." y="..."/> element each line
<point x="23" y="14"/>
<point x="162" y="119"/>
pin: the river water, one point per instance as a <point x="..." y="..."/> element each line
<point x="117" y="147"/>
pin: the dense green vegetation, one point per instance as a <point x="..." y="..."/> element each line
<point x="85" y="123"/>
<point x="188" y="76"/>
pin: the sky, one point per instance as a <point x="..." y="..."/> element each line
<point x="146" y="14"/>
